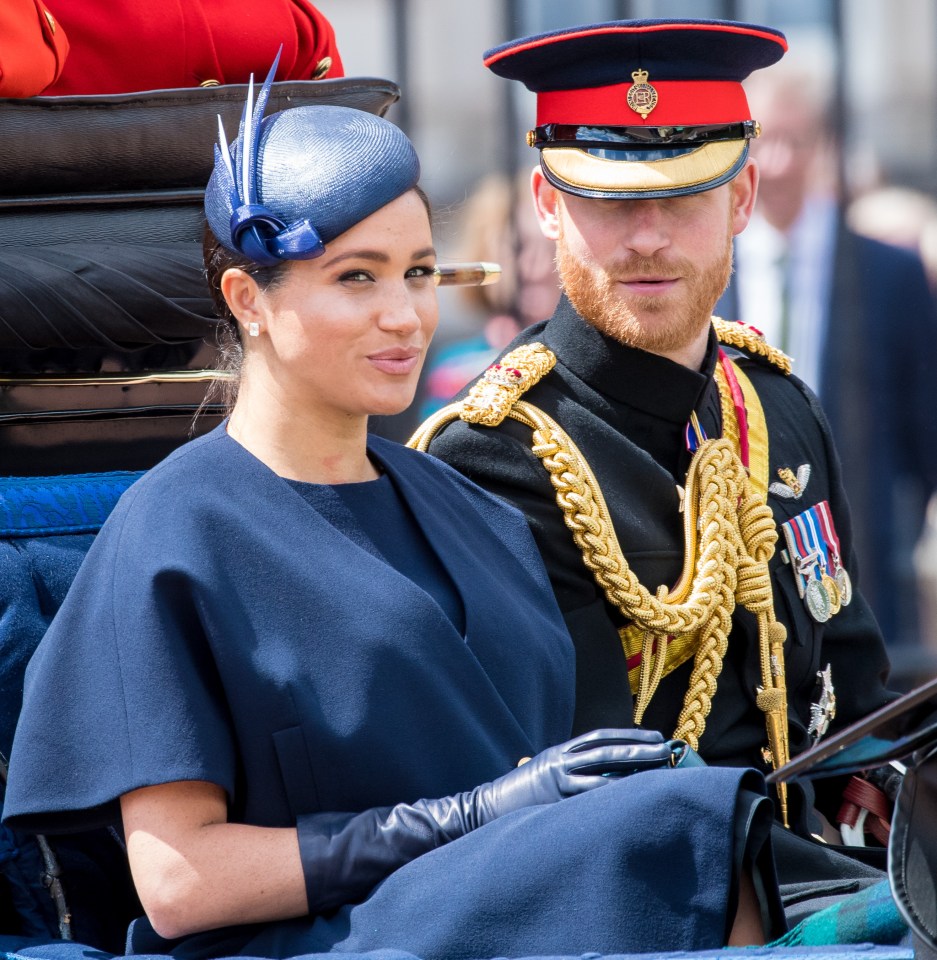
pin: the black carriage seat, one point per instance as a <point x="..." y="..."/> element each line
<point x="107" y="346"/>
<point x="106" y="325"/>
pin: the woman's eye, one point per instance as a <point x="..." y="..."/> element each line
<point x="419" y="272"/>
<point x="355" y="276"/>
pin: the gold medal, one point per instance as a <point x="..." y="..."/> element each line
<point x="833" y="590"/>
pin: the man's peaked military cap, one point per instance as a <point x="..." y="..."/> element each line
<point x="641" y="108"/>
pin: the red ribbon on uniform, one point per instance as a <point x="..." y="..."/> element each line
<point x="738" y="401"/>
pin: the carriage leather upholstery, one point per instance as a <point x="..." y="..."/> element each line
<point x="150" y="141"/>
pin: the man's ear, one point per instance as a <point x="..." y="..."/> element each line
<point x="546" y="204"/>
<point x="242" y="295"/>
<point x="744" y="190"/>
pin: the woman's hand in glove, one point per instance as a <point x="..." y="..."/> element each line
<point x="345" y="855"/>
<point x="581" y="764"/>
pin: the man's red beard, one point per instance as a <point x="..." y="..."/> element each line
<point x="647" y="323"/>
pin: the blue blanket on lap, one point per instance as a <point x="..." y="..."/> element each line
<point x="74" y="951"/>
<point x="870" y="916"/>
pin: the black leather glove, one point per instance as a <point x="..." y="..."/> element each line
<point x="345" y="855"/>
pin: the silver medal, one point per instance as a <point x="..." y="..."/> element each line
<point x="845" y="586"/>
<point x="817" y="601"/>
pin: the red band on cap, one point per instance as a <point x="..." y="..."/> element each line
<point x="680" y="103"/>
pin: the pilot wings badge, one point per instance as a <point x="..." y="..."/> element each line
<point x="792" y="485"/>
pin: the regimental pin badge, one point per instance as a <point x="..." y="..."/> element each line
<point x="642" y="97"/>
<point x="823" y="712"/>
<point x="792" y="484"/>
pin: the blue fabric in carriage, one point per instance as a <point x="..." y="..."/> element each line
<point x="49" y="506"/>
<point x="35" y="575"/>
<point x="47" y="525"/>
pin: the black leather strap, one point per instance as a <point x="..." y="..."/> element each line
<point x="912" y="850"/>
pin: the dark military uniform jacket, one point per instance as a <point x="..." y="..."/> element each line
<point x="627" y="411"/>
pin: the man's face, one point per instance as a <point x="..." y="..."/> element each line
<point x="648" y="272"/>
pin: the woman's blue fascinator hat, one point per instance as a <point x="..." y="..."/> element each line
<point x="294" y="181"/>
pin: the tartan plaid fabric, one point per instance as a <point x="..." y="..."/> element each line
<point x="869" y="916"/>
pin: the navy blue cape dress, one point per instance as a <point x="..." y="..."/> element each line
<point x="221" y="629"/>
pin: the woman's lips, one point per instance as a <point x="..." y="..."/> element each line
<point x="397" y="361"/>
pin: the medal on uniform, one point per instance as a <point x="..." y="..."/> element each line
<point x="829" y="584"/>
<point x="823" y="711"/>
<point x="809" y="558"/>
<point x="845" y="586"/>
<point x="831" y="539"/>
<point x="832" y="590"/>
<point x="817" y="600"/>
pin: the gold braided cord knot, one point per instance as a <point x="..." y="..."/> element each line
<point x="770" y="699"/>
<point x="761" y="535"/>
<point x="731" y="537"/>
<point x="725" y="538"/>
<point x="586" y="514"/>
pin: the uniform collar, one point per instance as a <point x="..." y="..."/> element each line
<point x="645" y="381"/>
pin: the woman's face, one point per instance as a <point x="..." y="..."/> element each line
<point x="348" y="332"/>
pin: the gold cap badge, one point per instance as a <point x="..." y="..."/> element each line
<point x="642" y="97"/>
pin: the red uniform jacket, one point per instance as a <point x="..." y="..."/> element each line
<point x="122" y="46"/>
<point x="33" y="48"/>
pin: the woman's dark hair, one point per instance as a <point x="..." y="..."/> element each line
<point x="217" y="260"/>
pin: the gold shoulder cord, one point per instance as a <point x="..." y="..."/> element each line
<point x="729" y="534"/>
